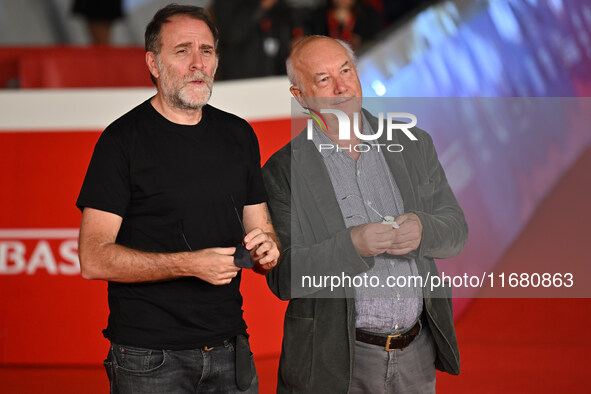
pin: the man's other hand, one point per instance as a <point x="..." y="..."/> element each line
<point x="373" y="238"/>
<point x="215" y="265"/>
<point x="408" y="235"/>
<point x="263" y="250"/>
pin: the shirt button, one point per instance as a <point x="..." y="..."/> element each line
<point x="358" y="172"/>
<point x="396" y="327"/>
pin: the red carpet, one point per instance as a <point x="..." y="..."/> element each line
<point x="534" y="345"/>
<point x="507" y="345"/>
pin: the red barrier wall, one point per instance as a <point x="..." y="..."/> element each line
<point x="69" y="67"/>
<point x="48" y="313"/>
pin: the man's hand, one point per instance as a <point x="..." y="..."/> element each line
<point x="408" y="235"/>
<point x="215" y="265"/>
<point x="263" y="250"/>
<point x="373" y="238"/>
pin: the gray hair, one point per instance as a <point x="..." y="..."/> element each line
<point x="292" y="73"/>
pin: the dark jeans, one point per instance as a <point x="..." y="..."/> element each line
<point x="138" y="370"/>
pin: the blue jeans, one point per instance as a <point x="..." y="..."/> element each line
<point x="138" y="370"/>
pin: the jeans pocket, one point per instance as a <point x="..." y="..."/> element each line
<point x="109" y="369"/>
<point x="244" y="362"/>
<point x="136" y="360"/>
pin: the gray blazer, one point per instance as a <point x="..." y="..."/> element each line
<point x="319" y="329"/>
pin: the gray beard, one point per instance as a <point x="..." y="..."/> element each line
<point x="177" y="100"/>
<point x="175" y="97"/>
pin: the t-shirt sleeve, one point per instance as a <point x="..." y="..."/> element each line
<point x="106" y="185"/>
<point x="256" y="188"/>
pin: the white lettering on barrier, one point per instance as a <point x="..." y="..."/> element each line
<point x="42" y="256"/>
<point x="12" y="257"/>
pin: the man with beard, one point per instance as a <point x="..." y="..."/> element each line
<point x="172" y="196"/>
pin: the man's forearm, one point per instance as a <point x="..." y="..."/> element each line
<point x="118" y="263"/>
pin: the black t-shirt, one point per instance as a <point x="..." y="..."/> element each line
<point x="172" y="185"/>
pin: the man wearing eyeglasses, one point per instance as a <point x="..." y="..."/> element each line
<point x="354" y="218"/>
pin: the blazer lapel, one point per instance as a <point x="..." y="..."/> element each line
<point x="398" y="166"/>
<point x="309" y="161"/>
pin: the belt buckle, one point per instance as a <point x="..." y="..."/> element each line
<point x="387" y="347"/>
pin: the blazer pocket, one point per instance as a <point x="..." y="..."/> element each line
<point x="297" y="352"/>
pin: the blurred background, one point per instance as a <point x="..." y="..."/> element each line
<point x="256" y="35"/>
<point x="501" y="85"/>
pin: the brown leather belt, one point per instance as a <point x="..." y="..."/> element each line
<point x="392" y="342"/>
